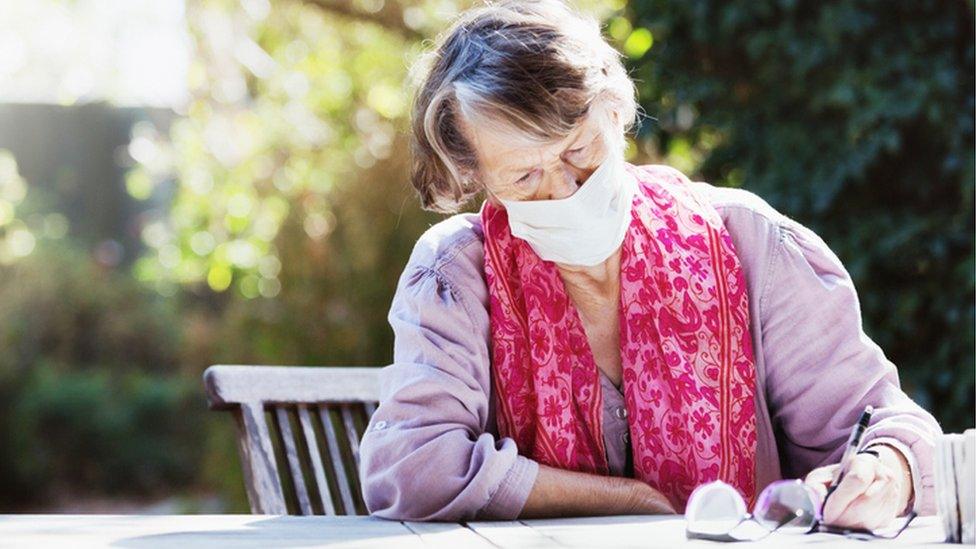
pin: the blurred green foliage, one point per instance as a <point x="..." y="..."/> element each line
<point x="91" y="396"/>
<point x="88" y="431"/>
<point x="290" y="216"/>
<point x="856" y="118"/>
<point x="290" y="101"/>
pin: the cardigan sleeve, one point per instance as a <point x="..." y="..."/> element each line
<point x="823" y="369"/>
<point x="428" y="453"/>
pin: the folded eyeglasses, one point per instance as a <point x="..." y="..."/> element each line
<point x="717" y="512"/>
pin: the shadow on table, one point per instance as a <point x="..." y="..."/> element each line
<point x="607" y="519"/>
<point x="285" y="531"/>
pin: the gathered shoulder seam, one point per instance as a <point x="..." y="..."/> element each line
<point x="442" y="278"/>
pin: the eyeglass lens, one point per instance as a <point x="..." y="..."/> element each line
<point x="787" y="506"/>
<point x="715" y="509"/>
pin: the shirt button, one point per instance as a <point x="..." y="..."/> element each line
<point x="620" y="412"/>
<point x="625" y="437"/>
<point x="379" y="425"/>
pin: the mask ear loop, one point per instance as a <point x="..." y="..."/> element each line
<point x="490" y="194"/>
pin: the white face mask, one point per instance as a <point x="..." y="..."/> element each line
<point x="584" y="228"/>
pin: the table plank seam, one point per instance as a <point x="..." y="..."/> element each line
<point x="541" y="533"/>
<point x="477" y="533"/>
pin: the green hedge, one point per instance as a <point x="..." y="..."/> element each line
<point x="856" y="118"/>
<point x="91" y="397"/>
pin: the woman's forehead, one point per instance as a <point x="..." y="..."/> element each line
<point x="502" y="148"/>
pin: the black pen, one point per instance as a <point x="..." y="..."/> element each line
<point x="853" y="444"/>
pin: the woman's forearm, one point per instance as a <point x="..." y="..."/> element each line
<point x="562" y="493"/>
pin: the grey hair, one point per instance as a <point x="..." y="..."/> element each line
<point x="532" y="66"/>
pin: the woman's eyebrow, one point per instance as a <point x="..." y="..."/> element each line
<point x="511" y="170"/>
<point x="515" y="169"/>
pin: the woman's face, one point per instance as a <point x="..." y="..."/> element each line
<point x="517" y="169"/>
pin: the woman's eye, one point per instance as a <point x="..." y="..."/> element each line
<point x="522" y="180"/>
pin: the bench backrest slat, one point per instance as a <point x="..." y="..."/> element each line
<point x="316" y="466"/>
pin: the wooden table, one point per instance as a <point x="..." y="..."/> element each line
<point x="190" y="531"/>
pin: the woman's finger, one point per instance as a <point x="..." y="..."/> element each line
<point x="872" y="509"/>
<point x="819" y="479"/>
<point x="859" y="476"/>
<point x="821" y="475"/>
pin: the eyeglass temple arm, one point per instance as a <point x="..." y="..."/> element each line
<point x="820" y="526"/>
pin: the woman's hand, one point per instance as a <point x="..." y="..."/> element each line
<point x="645" y="500"/>
<point x="872" y="493"/>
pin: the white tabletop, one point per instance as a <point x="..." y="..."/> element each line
<point x="189" y="531"/>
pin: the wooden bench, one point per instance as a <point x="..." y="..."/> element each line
<point x="312" y="418"/>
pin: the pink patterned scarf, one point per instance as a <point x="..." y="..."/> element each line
<point x="686" y="351"/>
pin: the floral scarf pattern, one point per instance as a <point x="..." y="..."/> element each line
<point x="686" y="350"/>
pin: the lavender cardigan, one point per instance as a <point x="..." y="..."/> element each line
<point x="432" y="451"/>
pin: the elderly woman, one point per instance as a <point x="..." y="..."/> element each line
<point x="603" y="337"/>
